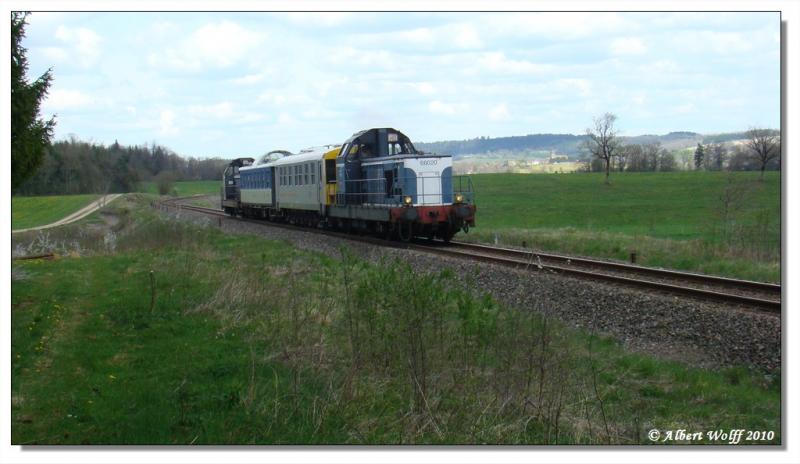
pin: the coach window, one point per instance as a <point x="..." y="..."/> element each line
<point x="305" y="174"/>
<point x="313" y="177"/>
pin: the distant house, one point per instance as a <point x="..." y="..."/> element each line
<point x="555" y="158"/>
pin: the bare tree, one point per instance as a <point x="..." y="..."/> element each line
<point x="717" y="155"/>
<point x="650" y="154"/>
<point x="634" y="158"/>
<point x="765" y="146"/>
<point x="666" y="160"/>
<point x="602" y="140"/>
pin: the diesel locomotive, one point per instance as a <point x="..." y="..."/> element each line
<point x="376" y="182"/>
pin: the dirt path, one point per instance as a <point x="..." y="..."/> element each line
<point x="80" y="214"/>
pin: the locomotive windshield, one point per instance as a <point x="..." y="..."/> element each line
<point x="377" y="143"/>
<point x="401" y="148"/>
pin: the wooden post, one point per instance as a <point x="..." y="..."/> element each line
<point x="152" y="291"/>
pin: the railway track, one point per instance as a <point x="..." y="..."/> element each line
<point x="761" y="295"/>
<point x="756" y="295"/>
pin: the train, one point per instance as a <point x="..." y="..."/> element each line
<point x="376" y="183"/>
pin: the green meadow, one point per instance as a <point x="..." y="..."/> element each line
<point x="186" y="188"/>
<point x="38" y="211"/>
<point x="713" y="222"/>
<point x="169" y="333"/>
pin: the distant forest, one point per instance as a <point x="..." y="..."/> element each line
<point x="73" y="166"/>
<point x="566" y="144"/>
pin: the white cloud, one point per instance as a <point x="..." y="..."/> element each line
<point x="465" y="36"/>
<point x="57" y="54"/>
<point x="418" y="36"/>
<point x="249" y="79"/>
<point x="167" y="122"/>
<point x="327" y="19"/>
<point x="628" y="46"/>
<point x="214" y="45"/>
<point x="583" y="87"/>
<point x="664" y="66"/>
<point x="285" y="118"/>
<point x="83" y="45"/>
<point x="271" y="98"/>
<point x="374" y="60"/>
<point x="499" y="63"/>
<point x="499" y="112"/>
<point x="320" y="113"/>
<point x="722" y="43"/>
<point x="218" y="111"/>
<point x="728" y="42"/>
<point x="424" y="88"/>
<point x="558" y="26"/>
<point x="459" y="36"/>
<point x="59" y="99"/>
<point x="447" y="109"/>
<point x="683" y="109"/>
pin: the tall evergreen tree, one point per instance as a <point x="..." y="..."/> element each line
<point x="699" y="156"/>
<point x="30" y="135"/>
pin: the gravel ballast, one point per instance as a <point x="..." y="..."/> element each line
<point x="702" y="334"/>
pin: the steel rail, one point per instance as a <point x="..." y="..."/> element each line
<point x="666" y="273"/>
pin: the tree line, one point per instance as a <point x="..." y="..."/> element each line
<point x="607" y="152"/>
<point x="761" y="151"/>
<point x="74" y="166"/>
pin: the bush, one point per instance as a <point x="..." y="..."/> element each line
<point x="165" y="181"/>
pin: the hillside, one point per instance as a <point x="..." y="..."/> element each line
<point x="540" y="145"/>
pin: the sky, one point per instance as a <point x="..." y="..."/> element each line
<point x="242" y="84"/>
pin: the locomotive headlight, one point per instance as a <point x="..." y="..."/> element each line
<point x="407" y="200"/>
<point x="459" y="198"/>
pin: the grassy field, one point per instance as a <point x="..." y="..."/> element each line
<point x="712" y="222"/>
<point x="186" y="188"/>
<point x="143" y="340"/>
<point x="38" y="211"/>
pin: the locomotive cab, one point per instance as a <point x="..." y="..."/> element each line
<point x="382" y="167"/>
